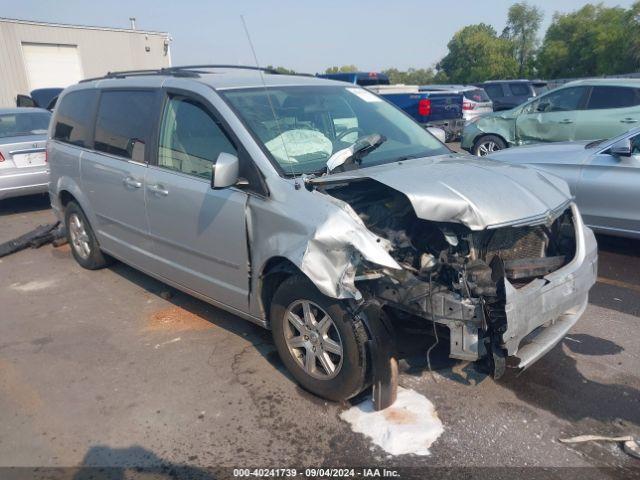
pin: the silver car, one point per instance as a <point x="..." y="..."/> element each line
<point x="23" y="163"/>
<point x="603" y="175"/>
<point x="318" y="210"/>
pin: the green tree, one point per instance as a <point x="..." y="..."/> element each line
<point x="523" y="23"/>
<point x="476" y="53"/>
<point x="342" y="69"/>
<point x="633" y="48"/>
<point x="412" y="76"/>
<point x="594" y="40"/>
<point x="283" y="70"/>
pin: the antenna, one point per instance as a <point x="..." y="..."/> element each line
<point x="266" y="91"/>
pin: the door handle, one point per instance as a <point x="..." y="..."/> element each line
<point x="566" y="121"/>
<point x="629" y="120"/>
<point x="158" y="190"/>
<point x="132" y="182"/>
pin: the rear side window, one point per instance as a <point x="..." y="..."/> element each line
<point x="494" y="91"/>
<point x="478" y="95"/>
<point x="613" y="97"/>
<point x="520" y="90"/>
<point x="124" y="123"/>
<point x="74" y="118"/>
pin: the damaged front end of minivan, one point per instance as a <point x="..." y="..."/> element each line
<point x="507" y="286"/>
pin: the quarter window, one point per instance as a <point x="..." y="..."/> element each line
<point x="520" y="90"/>
<point x="190" y="138"/>
<point x="613" y="97"/>
<point x="74" y="118"/>
<point x="494" y="91"/>
<point x="124" y="124"/>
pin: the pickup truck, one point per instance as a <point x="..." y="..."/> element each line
<point x="364" y="79"/>
<point x="442" y="109"/>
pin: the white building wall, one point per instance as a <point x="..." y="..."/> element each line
<point x="100" y="50"/>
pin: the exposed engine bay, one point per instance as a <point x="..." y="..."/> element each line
<point x="451" y="274"/>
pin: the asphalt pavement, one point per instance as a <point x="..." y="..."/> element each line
<point x="113" y="368"/>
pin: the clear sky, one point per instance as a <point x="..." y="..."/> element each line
<point x="308" y="36"/>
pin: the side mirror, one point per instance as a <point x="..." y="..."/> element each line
<point x="25" y="101"/>
<point x="621" y="148"/>
<point x="224" y="173"/>
<point x="542" y="107"/>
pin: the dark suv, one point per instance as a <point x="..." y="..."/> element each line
<point x="506" y="94"/>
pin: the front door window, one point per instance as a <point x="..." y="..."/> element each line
<point x="190" y="139"/>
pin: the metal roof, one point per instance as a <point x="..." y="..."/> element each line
<point x="83" y="27"/>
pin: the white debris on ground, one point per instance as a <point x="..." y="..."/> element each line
<point x="410" y="425"/>
<point x="174" y="340"/>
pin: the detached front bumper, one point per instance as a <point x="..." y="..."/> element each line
<point x="542" y="312"/>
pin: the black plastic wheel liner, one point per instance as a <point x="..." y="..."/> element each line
<point x="382" y="350"/>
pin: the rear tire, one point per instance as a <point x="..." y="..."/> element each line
<point x="487" y="144"/>
<point x="312" y="332"/>
<point x="83" y="242"/>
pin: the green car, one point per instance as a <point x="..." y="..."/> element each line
<point x="581" y="110"/>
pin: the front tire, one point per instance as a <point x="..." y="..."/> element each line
<point x="84" y="246"/>
<point x="319" y="342"/>
<point x="487" y="144"/>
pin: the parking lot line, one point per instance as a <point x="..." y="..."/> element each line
<point x="619" y="283"/>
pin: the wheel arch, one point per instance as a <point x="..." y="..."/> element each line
<point x="67" y="191"/>
<point x="485" y="134"/>
<point x="274" y="271"/>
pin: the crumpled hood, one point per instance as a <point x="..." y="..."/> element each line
<point x="475" y="192"/>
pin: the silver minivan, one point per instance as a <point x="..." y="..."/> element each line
<point x="318" y="210"/>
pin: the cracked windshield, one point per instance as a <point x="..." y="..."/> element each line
<point x="302" y="127"/>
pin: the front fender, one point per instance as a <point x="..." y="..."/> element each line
<point x="503" y="126"/>
<point x="323" y="237"/>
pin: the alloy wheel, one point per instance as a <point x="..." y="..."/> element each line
<point x="313" y="339"/>
<point x="485" y="148"/>
<point x="79" y="237"/>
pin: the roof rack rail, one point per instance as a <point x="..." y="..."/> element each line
<point x="180" y="71"/>
<point x="231" y="67"/>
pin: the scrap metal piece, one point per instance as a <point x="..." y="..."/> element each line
<point x="629" y="445"/>
<point x="632" y="448"/>
<point x="595" y="438"/>
<point x="37" y="237"/>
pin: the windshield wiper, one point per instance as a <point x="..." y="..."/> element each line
<point x="351" y="157"/>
